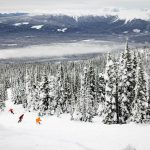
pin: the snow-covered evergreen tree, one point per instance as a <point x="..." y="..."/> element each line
<point x="59" y="97"/>
<point x="75" y="96"/>
<point x="126" y="84"/>
<point x="29" y="91"/>
<point x="2" y="97"/>
<point x="110" y="110"/>
<point x="91" y="93"/>
<point x="67" y="93"/>
<point x="2" y="105"/>
<point x="18" y="87"/>
<point x="52" y="93"/>
<point x="73" y="106"/>
<point x="76" y="84"/>
<point x="36" y="96"/>
<point x="140" y="103"/>
<point x="100" y="93"/>
<point x="87" y="95"/>
<point x="44" y="96"/>
<point x="134" y="70"/>
<point x="83" y="96"/>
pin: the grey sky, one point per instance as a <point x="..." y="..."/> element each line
<point x="28" y="5"/>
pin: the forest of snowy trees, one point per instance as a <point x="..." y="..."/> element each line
<point x="113" y="87"/>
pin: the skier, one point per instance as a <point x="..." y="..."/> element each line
<point x="11" y="110"/>
<point x="38" y="120"/>
<point x="20" y="118"/>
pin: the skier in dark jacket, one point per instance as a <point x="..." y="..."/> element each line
<point x="20" y="118"/>
<point x="11" y="110"/>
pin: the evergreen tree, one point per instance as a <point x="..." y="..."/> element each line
<point x="67" y="93"/>
<point x="126" y="84"/>
<point x="100" y="92"/>
<point x="29" y="92"/>
<point x="73" y="105"/>
<point x="83" y="97"/>
<point x="18" y="87"/>
<point x="91" y="93"/>
<point x="87" y="95"/>
<point x="59" y="97"/>
<point x="2" y="100"/>
<point x="110" y="110"/>
<point x="44" y="96"/>
<point x="16" y="92"/>
<point x="140" y="103"/>
<point x="117" y="102"/>
<point x="75" y="96"/>
<point x="52" y="93"/>
<point x="134" y="75"/>
<point x="36" y="96"/>
<point x="2" y="105"/>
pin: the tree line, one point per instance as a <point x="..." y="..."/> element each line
<point x="113" y="87"/>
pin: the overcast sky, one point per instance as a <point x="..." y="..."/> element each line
<point x="38" y="5"/>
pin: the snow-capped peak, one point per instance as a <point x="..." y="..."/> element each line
<point x="123" y="14"/>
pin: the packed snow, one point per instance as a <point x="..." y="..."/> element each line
<point x="37" y="27"/>
<point x="61" y="133"/>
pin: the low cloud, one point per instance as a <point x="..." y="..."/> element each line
<point x="87" y="46"/>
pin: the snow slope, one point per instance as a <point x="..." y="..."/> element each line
<point x="62" y="134"/>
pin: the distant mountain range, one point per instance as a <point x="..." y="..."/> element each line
<point x="21" y="29"/>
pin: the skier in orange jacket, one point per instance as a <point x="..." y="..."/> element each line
<point x="38" y="120"/>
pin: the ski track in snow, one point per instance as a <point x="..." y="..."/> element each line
<point x="62" y="134"/>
